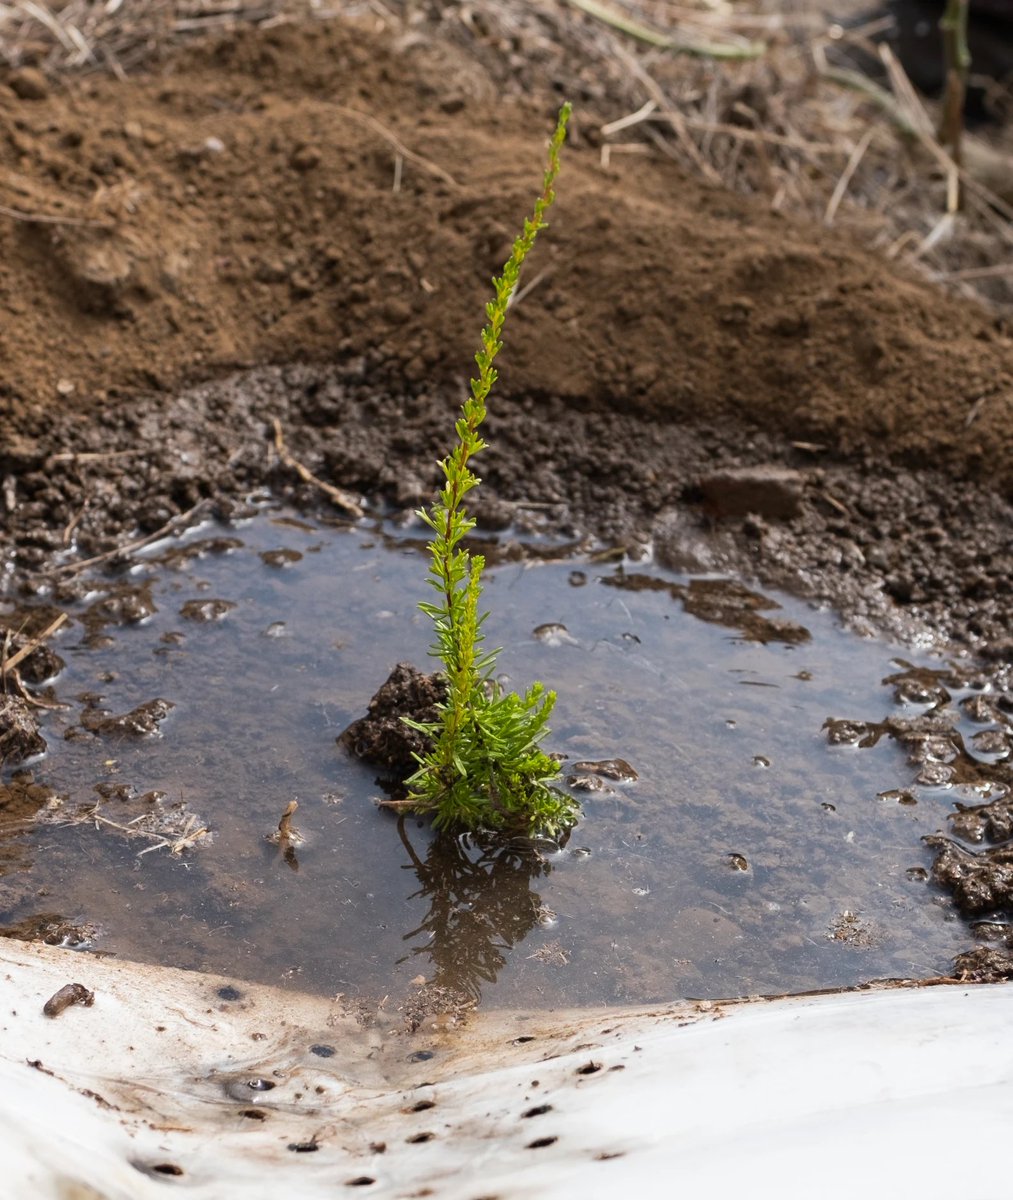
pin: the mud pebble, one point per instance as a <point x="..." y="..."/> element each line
<point x="280" y="558"/>
<point x="993" y="821"/>
<point x="980" y="709"/>
<point x="898" y="796"/>
<point x="610" y="768"/>
<point x="764" y="491"/>
<point x="587" y="783"/>
<point x="553" y="634"/>
<point x="984" y="964"/>
<point x="992" y="741"/>
<point x="914" y="691"/>
<point x="980" y="883"/>
<point x="305" y="158"/>
<point x="270" y="271"/>
<point x="130" y="606"/>
<point x="142" y="721"/>
<point x="29" y="84"/>
<point x="206" y="610"/>
<point x="845" y="733"/>
<point x="68" y="995"/>
<point x="209" y="148"/>
<point x="935" y="774"/>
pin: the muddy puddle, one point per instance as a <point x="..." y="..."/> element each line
<point x="756" y="782"/>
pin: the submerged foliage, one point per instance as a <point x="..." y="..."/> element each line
<point x="486" y="769"/>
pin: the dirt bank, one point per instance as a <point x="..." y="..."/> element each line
<point x="338" y="198"/>
<point x="324" y="193"/>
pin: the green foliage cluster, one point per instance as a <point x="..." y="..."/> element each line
<point x="486" y="770"/>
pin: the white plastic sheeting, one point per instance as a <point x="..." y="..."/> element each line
<point x="179" y="1082"/>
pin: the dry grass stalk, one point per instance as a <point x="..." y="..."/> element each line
<point x="169" y="529"/>
<point x="737" y="49"/>
<point x="191" y="834"/>
<point x="10" y="677"/>
<point x="842" y="184"/>
<point x="341" y="498"/>
<point x="401" y="151"/>
<point x="10" y="662"/>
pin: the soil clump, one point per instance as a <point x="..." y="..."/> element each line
<point x="19" y="732"/>
<point x="381" y="736"/>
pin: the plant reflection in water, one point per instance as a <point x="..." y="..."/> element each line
<point x="481" y="905"/>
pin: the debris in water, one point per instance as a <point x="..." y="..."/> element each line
<point x="286" y="837"/>
<point x="609" y="768"/>
<point x="19" y="732"/>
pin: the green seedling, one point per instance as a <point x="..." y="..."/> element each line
<point x="486" y="769"/>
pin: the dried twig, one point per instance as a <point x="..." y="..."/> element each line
<point x="341" y="498"/>
<point x="400" y="149"/>
<point x="285" y="830"/>
<point x="671" y="115"/>
<point x="191" y="833"/>
<point x="286" y="837"/>
<point x="996" y="271"/>
<point x="11" y="662"/>
<point x="176" y="525"/>
<point x="850" y="168"/>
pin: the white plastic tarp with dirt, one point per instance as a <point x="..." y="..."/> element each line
<point x="176" y="1081"/>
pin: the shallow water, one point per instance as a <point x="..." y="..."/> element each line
<point x="749" y="856"/>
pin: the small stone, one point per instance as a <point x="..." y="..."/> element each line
<point x="29" y="84"/>
<point x="764" y="491"/>
<point x="209" y="148"/>
<point x="304" y="158"/>
<point x="65" y="387"/>
<point x="142" y="721"/>
<point x="270" y="271"/>
<point x="608" y="768"/>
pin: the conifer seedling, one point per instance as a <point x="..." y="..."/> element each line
<point x="486" y="769"/>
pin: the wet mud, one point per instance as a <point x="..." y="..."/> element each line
<point x="964" y="744"/>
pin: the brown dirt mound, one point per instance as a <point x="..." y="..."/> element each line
<point x="325" y="193"/>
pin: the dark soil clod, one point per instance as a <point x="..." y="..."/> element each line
<point x="381" y="737"/>
<point x="19" y="732"/>
<point x="980" y="883"/>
